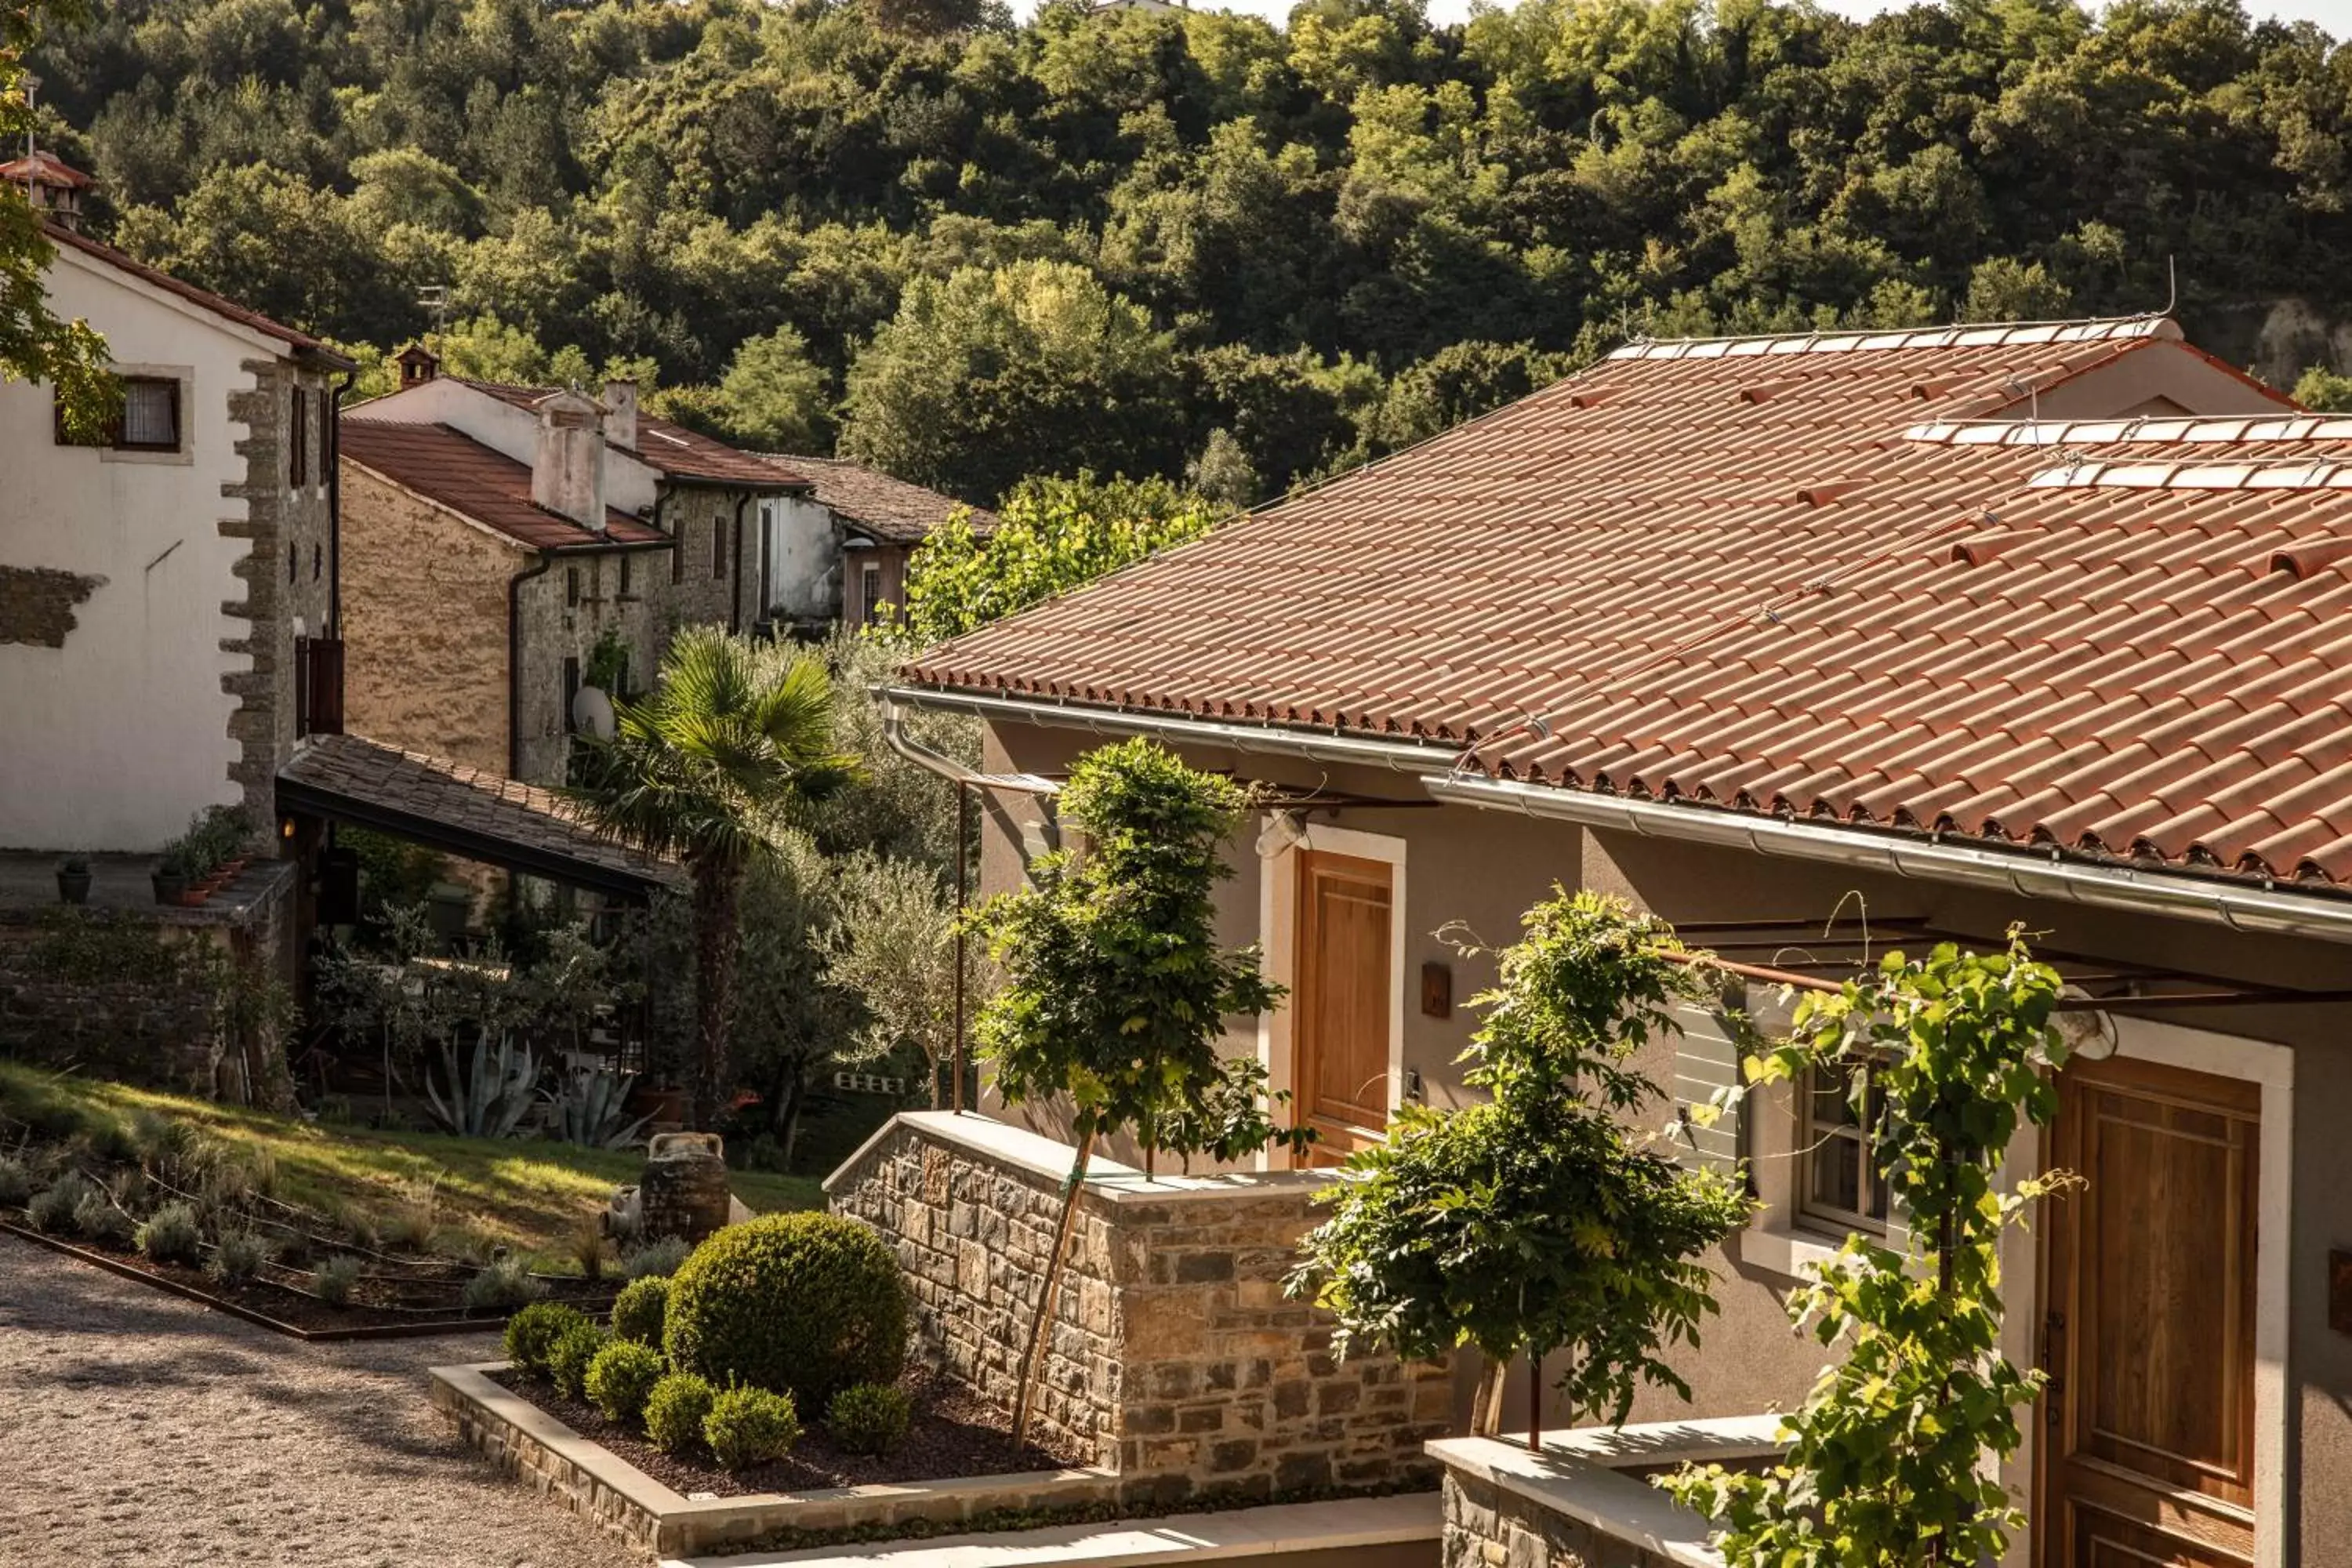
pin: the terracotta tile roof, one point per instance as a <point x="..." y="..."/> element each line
<point x="42" y="167"/>
<point x="676" y="451"/>
<point x="1722" y="573"/>
<point x="890" y="510"/>
<point x="229" y="310"/>
<point x="460" y="473"/>
<point x="467" y="806"/>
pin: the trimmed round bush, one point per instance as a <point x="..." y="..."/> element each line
<point x="749" y="1426"/>
<point x="622" y="1378"/>
<point x="641" y="1310"/>
<point x="172" y="1236"/>
<point x="805" y="1304"/>
<point x="675" y="1409"/>
<point x="568" y="1358"/>
<point x="531" y="1333"/>
<point x="870" y="1418"/>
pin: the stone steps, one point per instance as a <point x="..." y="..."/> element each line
<point x="1398" y="1532"/>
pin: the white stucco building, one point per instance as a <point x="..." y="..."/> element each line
<point x="152" y="586"/>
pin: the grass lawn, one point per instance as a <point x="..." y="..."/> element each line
<point x="533" y="1193"/>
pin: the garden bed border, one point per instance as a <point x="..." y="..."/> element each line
<point x="429" y="1329"/>
<point x="588" y="1479"/>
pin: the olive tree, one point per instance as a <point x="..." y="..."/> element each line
<point x="1114" y="987"/>
<point x="1542" y="1221"/>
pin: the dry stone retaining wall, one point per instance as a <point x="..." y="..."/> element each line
<point x="1174" y="1357"/>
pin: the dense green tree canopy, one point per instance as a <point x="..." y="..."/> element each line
<point x="1096" y="240"/>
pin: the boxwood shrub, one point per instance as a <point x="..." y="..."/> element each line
<point x="622" y="1377"/>
<point x="642" y="1308"/>
<point x="805" y="1304"/>
<point x="531" y="1333"/>
<point x="749" y="1426"/>
<point x="568" y="1358"/>
<point x="675" y="1409"/>
<point x="870" y="1418"/>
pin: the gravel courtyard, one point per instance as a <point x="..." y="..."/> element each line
<point x="136" y="1428"/>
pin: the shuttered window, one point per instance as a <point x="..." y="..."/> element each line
<point x="297" y="469"/>
<point x="1706" y="1061"/>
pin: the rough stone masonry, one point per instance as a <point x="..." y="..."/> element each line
<point x="1175" y="1358"/>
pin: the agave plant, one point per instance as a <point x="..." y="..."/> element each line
<point x="491" y="1101"/>
<point x="589" y="1109"/>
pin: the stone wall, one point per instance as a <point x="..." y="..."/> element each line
<point x="1585" y="1501"/>
<point x="129" y="993"/>
<point x="1175" y="1358"/>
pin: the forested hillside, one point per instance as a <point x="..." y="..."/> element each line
<point x="1191" y="242"/>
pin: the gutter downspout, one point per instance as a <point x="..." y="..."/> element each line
<point x="335" y="509"/>
<point x="2250" y="910"/>
<point x="514" y="659"/>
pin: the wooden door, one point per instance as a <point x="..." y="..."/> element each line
<point x="2148" y="1334"/>
<point x="1340" y="1000"/>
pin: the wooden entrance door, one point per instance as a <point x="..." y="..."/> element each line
<point x="1340" y="998"/>
<point x="2148" y="1423"/>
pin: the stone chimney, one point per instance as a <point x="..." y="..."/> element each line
<point x="567" y="469"/>
<point x="620" y="414"/>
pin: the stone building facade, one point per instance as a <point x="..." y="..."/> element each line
<point x="1175" y="1357"/>
<point x="494" y="567"/>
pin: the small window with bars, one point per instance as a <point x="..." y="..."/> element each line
<point x="869" y="593"/>
<point x="1841" y="1188"/>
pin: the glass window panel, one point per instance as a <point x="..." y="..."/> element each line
<point x="149" y="416"/>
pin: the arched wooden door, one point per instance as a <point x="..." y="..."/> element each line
<point x="2149" y="1329"/>
<point x="1341" y="993"/>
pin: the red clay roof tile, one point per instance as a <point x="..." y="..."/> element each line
<point x="2070" y="634"/>
<point x="460" y="473"/>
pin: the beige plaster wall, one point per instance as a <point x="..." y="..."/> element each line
<point x="1484" y="868"/>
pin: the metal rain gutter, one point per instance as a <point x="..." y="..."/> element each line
<point x="1398" y="756"/>
<point x="2249" y="909"/>
<point x="894" y="735"/>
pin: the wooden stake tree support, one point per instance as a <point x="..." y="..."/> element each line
<point x="1115" y="989"/>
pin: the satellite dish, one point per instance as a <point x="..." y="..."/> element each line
<point x="591" y="713"/>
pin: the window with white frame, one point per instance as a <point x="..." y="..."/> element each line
<point x="1838" y="1186"/>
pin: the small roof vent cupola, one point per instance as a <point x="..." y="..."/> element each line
<point x="55" y="187"/>
<point x="419" y="364"/>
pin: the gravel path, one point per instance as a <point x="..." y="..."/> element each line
<point x="141" y="1430"/>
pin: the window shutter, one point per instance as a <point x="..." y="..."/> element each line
<point x="297" y="445"/>
<point x="1706" y="1061"/>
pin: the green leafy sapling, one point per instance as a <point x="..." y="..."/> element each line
<point x="1114" y="987"/>
<point x="1541" y="1222"/>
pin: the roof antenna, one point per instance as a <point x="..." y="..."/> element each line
<point x="2171" y="285"/>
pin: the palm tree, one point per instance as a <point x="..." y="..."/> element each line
<point x="734" y="736"/>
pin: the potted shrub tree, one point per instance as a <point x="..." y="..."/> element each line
<point x="1115" y="989"/>
<point x="171" y="874"/>
<point x="73" y="879"/>
<point x="1540" y="1223"/>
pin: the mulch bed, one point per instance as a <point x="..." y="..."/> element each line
<point x="954" y="1434"/>
<point x="391" y="1297"/>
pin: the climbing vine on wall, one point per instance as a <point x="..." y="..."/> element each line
<point x="1888" y="1461"/>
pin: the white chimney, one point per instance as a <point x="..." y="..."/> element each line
<point x="620" y="414"/>
<point x="567" y="471"/>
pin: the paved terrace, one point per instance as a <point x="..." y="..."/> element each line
<point x="141" y="1429"/>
